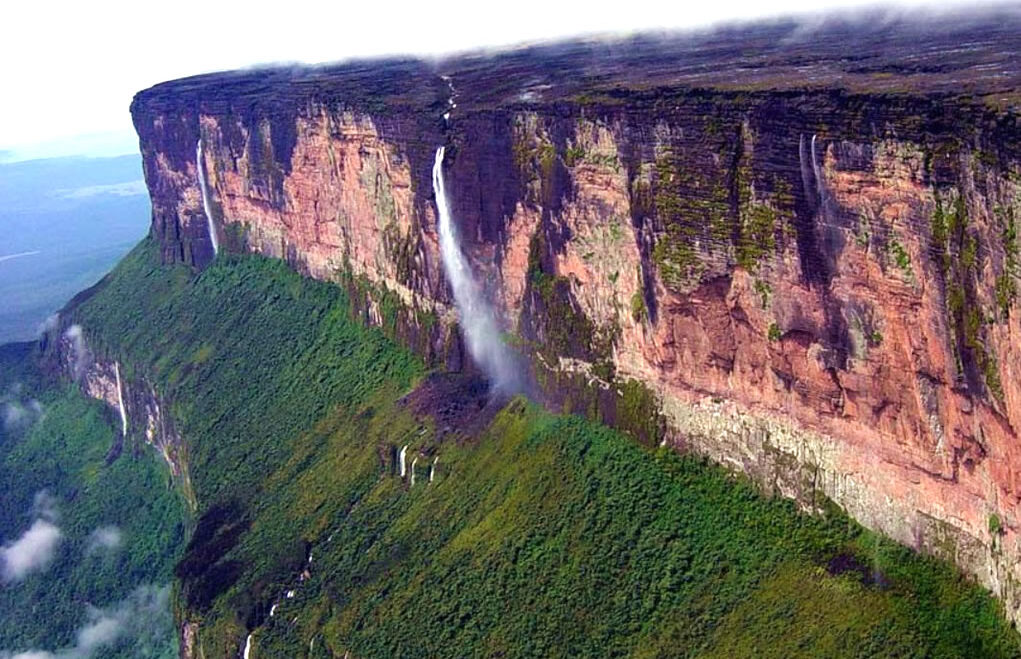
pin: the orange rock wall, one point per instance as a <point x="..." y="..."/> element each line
<point x="815" y="288"/>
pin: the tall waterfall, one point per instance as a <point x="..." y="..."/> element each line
<point x="248" y="647"/>
<point x="478" y="320"/>
<point x="812" y="177"/>
<point x="403" y="461"/>
<point x="806" y="169"/>
<point x="206" y="206"/>
<point x="120" y="399"/>
<point x="816" y="172"/>
<point x="820" y="186"/>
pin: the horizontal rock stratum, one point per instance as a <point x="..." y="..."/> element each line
<point x="802" y="242"/>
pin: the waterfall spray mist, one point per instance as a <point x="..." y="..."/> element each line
<point x="79" y="350"/>
<point x="206" y="205"/>
<point x="478" y="320"/>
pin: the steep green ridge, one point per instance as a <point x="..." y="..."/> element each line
<point x="542" y="535"/>
<point x="53" y="466"/>
<point x="553" y="536"/>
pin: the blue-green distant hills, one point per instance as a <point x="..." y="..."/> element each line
<point x="65" y="222"/>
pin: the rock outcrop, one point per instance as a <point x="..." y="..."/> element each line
<point x="808" y="263"/>
<point x="141" y="411"/>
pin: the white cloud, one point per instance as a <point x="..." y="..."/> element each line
<point x="18" y="415"/>
<point x="105" y="537"/>
<point x="50" y="323"/>
<point x="126" y="189"/>
<point x="102" y="631"/>
<point x="32" y="552"/>
<point x="140" y="620"/>
<point x="44" y="505"/>
<point x="18" y="412"/>
<point x="15" y="415"/>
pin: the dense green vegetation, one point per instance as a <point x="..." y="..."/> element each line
<point x="250" y="354"/>
<point x="122" y="525"/>
<point x="541" y="535"/>
<point x="553" y="536"/>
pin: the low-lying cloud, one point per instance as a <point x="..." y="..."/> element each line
<point x="104" y="538"/>
<point x="34" y="550"/>
<point x="16" y="415"/>
<point x="50" y="324"/>
<point x="126" y="189"/>
<point x="44" y="505"/>
<point x="18" y="410"/>
<point x="141" y="621"/>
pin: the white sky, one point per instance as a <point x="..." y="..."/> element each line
<point x="70" y="68"/>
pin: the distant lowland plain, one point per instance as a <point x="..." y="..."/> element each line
<point x="65" y="222"/>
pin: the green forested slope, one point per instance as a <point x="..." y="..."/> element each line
<point x="555" y="537"/>
<point x="542" y="535"/>
<point x="121" y="524"/>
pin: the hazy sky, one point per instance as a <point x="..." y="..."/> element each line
<point x="70" y="68"/>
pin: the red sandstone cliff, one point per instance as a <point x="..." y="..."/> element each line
<point x="815" y="276"/>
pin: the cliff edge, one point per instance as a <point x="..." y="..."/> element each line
<point x="795" y="257"/>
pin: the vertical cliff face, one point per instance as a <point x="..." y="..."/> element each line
<point x="815" y="286"/>
<point x="329" y="177"/>
<point x="818" y="287"/>
<point x="143" y="414"/>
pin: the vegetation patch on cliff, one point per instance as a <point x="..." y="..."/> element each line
<point x="558" y="325"/>
<point x="1006" y="282"/>
<point x="957" y="247"/>
<point x="708" y="209"/>
<point x="686" y="203"/>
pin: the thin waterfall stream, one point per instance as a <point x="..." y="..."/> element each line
<point x="120" y="399"/>
<point x="207" y="207"/>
